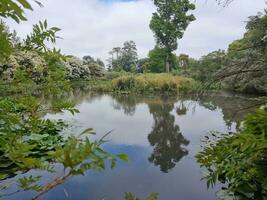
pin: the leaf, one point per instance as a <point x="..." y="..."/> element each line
<point x="123" y="157"/>
<point x="25" y="4"/>
<point x="56" y="29"/>
<point x="88" y="131"/>
<point x="45" y="24"/>
<point x="152" y="196"/>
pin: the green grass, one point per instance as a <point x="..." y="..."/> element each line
<point x="145" y="83"/>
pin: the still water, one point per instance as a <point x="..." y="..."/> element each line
<point x="161" y="136"/>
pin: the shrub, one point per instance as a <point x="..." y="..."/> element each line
<point x="164" y="83"/>
<point x="239" y="160"/>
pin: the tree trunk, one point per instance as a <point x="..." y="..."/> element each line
<point x="167" y="64"/>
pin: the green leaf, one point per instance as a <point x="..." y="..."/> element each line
<point x="123" y="157"/>
<point x="45" y="24"/>
<point x="25" y="4"/>
<point x="88" y="131"/>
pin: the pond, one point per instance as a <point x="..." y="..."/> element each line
<point x="160" y="134"/>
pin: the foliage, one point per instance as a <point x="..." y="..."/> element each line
<point x="41" y="34"/>
<point x="5" y="41"/>
<point x="124" y="58"/>
<point x="239" y="160"/>
<point x="14" y="9"/>
<point x="204" y="68"/>
<point x="96" y="67"/>
<point x="130" y="196"/>
<point x="245" y="70"/>
<point x="29" y="142"/>
<point x="96" y="70"/>
<point x="75" y="69"/>
<point x="147" y="83"/>
<point x="241" y="68"/>
<point x="143" y="65"/>
<point x="169" y="23"/>
<point x="90" y="60"/>
<point x="156" y="63"/>
<point x="24" y="136"/>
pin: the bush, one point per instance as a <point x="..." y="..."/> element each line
<point x="164" y="83"/>
<point x="239" y="160"/>
<point x="96" y="70"/>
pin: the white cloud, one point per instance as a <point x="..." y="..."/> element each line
<point x="93" y="27"/>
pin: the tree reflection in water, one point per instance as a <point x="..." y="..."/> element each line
<point x="166" y="138"/>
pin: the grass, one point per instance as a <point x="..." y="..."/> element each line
<point x="145" y="83"/>
<point x="149" y="83"/>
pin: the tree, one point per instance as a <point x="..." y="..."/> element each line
<point x="143" y="65"/>
<point x="183" y="60"/>
<point x="96" y="66"/>
<point x="157" y="60"/>
<point x="129" y="56"/>
<point x="246" y="68"/>
<point x="90" y="60"/>
<point x="5" y="41"/>
<point x="169" y="23"/>
<point x="124" y="58"/>
<point x="115" y="59"/>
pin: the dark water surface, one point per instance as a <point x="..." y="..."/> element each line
<point x="161" y="136"/>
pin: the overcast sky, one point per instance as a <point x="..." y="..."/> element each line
<point x="94" y="27"/>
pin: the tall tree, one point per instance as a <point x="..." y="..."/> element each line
<point x="157" y="60"/>
<point x="129" y="56"/>
<point x="124" y="58"/>
<point x="169" y="23"/>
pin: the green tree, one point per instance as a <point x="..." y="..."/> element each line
<point x="183" y="60"/>
<point x="245" y="69"/>
<point x="124" y="58"/>
<point x="157" y="60"/>
<point x="169" y="22"/>
<point x="143" y="65"/>
<point x="129" y="56"/>
<point x="90" y="60"/>
<point x="5" y="41"/>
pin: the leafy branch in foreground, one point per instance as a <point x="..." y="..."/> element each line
<point x="41" y="34"/>
<point x="29" y="142"/>
<point x="239" y="160"/>
<point x="78" y="156"/>
<point x="14" y="9"/>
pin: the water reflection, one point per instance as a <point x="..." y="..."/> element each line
<point x="156" y="132"/>
<point x="166" y="138"/>
<point x="125" y="103"/>
<point x="181" y="109"/>
<point x="233" y="107"/>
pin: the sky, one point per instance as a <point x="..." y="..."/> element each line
<point x="94" y="27"/>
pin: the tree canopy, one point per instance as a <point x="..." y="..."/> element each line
<point x="124" y="58"/>
<point x="169" y="22"/>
